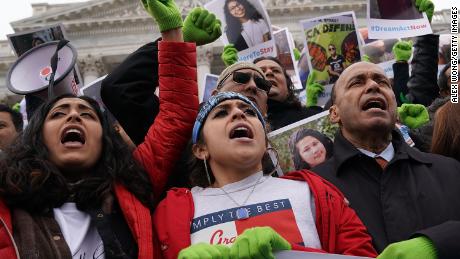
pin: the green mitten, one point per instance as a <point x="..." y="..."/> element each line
<point x="313" y="90"/>
<point x="413" y="115"/>
<point x="297" y="54"/>
<point x="425" y="6"/>
<point x="258" y="242"/>
<point x="229" y="55"/>
<point x="165" y="13"/>
<point x="16" y="107"/>
<point x="402" y="50"/>
<point x="416" y="248"/>
<point x="202" y="250"/>
<point x="365" y="58"/>
<point x="201" y="26"/>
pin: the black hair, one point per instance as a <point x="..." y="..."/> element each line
<point x="291" y="99"/>
<point x="298" y="135"/>
<point x="234" y="26"/>
<point x="28" y="180"/>
<point x="16" y="117"/>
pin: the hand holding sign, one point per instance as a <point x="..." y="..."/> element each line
<point x="402" y="50"/>
<point x="420" y="247"/>
<point x="203" y="250"/>
<point x="425" y="6"/>
<point x="259" y="242"/>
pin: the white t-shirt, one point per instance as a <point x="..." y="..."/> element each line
<point x="82" y="238"/>
<point x="253" y="32"/>
<point x="285" y="205"/>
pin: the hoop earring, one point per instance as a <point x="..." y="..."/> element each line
<point x="207" y="172"/>
<point x="277" y="159"/>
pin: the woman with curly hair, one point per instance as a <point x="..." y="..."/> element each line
<point x="245" y="25"/>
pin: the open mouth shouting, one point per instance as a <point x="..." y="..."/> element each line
<point x="73" y="136"/>
<point x="375" y="104"/>
<point x="241" y="132"/>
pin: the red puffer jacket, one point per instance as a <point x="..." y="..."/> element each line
<point x="339" y="229"/>
<point x="162" y="146"/>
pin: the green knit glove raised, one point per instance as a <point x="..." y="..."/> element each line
<point x="258" y="242"/>
<point x="165" y="13"/>
<point x="202" y="250"/>
<point x="425" y="6"/>
<point x="201" y="27"/>
<point x="416" y="248"/>
<point x="297" y="54"/>
<point x="413" y="115"/>
<point x="313" y="90"/>
<point x="229" y="55"/>
<point x="365" y="58"/>
<point x="402" y="50"/>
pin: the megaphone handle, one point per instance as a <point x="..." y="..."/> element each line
<point x="54" y="63"/>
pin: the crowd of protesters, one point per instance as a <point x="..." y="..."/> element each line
<point x="77" y="182"/>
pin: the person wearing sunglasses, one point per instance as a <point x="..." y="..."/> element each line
<point x="335" y="64"/>
<point x="284" y="107"/>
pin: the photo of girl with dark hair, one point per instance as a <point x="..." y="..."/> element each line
<point x="245" y="25"/>
<point x="309" y="148"/>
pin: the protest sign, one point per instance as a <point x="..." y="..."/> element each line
<point x="246" y="25"/>
<point x="380" y="50"/>
<point x="307" y="255"/>
<point x="387" y="66"/>
<point x="285" y="54"/>
<point x="23" y="41"/>
<point x="333" y="44"/>
<point x="387" y="19"/>
<point x="210" y="83"/>
<point x="280" y="138"/>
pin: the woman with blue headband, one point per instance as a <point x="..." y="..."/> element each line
<point x="236" y="210"/>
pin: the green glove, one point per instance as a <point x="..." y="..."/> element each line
<point x="313" y="90"/>
<point x="402" y="50"/>
<point x="165" y="13"/>
<point x="297" y="54"/>
<point x="416" y="248"/>
<point x="16" y="107"/>
<point x="229" y="55"/>
<point x="201" y="26"/>
<point x="202" y="250"/>
<point x="413" y="115"/>
<point x="258" y="243"/>
<point x="425" y="6"/>
<point x="365" y="58"/>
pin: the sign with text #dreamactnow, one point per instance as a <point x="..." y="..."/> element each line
<point x="307" y="255"/>
<point x="388" y="19"/>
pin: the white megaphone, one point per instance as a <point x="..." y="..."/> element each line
<point x="31" y="73"/>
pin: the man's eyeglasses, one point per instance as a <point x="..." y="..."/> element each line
<point x="244" y="78"/>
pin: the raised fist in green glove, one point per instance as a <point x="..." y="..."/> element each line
<point x="413" y="115"/>
<point x="425" y="6"/>
<point x="203" y="250"/>
<point x="365" y="58"/>
<point x="402" y="50"/>
<point x="201" y="27"/>
<point x="313" y="90"/>
<point x="259" y="242"/>
<point x="165" y="13"/>
<point x="416" y="248"/>
<point x="229" y="55"/>
<point x="297" y="54"/>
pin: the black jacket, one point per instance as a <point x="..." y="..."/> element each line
<point x="417" y="194"/>
<point x="282" y="114"/>
<point x="422" y="85"/>
<point x="128" y="91"/>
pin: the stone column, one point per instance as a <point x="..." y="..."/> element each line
<point x="91" y="68"/>
<point x="204" y="57"/>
